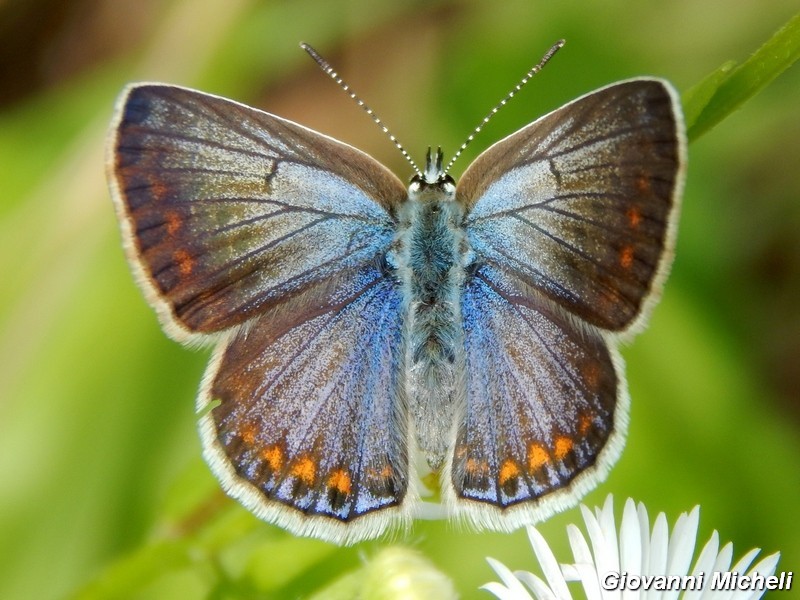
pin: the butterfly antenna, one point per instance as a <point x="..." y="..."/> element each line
<point x="538" y="67"/>
<point x="325" y="66"/>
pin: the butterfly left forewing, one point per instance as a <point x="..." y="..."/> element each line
<point x="227" y="210"/>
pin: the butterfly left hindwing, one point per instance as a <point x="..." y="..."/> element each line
<point x="310" y="432"/>
<point x="544" y="404"/>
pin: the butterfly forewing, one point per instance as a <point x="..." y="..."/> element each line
<point x="227" y="210"/>
<point x="580" y="204"/>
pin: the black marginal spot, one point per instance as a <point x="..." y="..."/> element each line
<point x="510" y="486"/>
<point x="299" y="488"/>
<point x="336" y="498"/>
<point x="382" y="487"/>
<point x="474" y="477"/>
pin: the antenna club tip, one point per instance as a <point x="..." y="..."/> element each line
<point x="310" y="50"/>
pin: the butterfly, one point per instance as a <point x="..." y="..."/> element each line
<point x="360" y="324"/>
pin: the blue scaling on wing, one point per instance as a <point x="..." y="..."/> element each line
<point x="580" y="203"/>
<point x="311" y="411"/>
<point x="541" y="395"/>
<point x="231" y="209"/>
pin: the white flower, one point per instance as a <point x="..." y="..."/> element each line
<point x="637" y="564"/>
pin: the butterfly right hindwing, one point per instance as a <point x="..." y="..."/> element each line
<point x="546" y="407"/>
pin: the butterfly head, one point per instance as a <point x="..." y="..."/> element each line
<point x="434" y="181"/>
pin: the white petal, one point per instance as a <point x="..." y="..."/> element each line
<point x="580" y="549"/>
<point x="571" y="573"/>
<point x="723" y="562"/>
<point x="682" y="542"/>
<point x="502" y="592"/>
<point x="744" y="562"/>
<point x="604" y="561"/>
<point x="609" y="527"/>
<point x="591" y="585"/>
<point x="681" y="548"/>
<point x="630" y="546"/>
<point x="644" y="532"/>
<point x="659" y="546"/>
<point x="630" y="541"/>
<point x="550" y="568"/>
<point x="512" y="584"/>
<point x="766" y="566"/>
<point x="705" y="565"/>
<point x="541" y="591"/>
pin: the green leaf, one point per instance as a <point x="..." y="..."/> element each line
<point x="696" y="98"/>
<point x="727" y="88"/>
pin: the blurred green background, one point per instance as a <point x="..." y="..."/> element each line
<point x="103" y="490"/>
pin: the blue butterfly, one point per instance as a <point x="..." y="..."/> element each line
<point x="359" y="323"/>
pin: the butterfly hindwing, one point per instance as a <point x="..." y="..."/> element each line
<point x="581" y="203"/>
<point x="545" y="406"/>
<point x="226" y="209"/>
<point x="310" y="429"/>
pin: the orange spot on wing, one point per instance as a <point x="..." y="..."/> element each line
<point x="537" y="457"/>
<point x="249" y="434"/>
<point x="643" y="184"/>
<point x="274" y="457"/>
<point x="584" y="423"/>
<point x="158" y="189"/>
<point x="385" y="472"/>
<point x="476" y="467"/>
<point x="340" y="481"/>
<point x="591" y="373"/>
<point x="626" y="257"/>
<point x="305" y="470"/>
<point x="562" y="447"/>
<point x="184" y="261"/>
<point x="174" y="222"/>
<point x="634" y="215"/>
<point x="508" y="471"/>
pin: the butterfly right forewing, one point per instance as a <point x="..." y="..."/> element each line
<point x="582" y="203"/>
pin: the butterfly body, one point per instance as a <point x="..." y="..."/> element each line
<point x="431" y="254"/>
<point x="356" y="320"/>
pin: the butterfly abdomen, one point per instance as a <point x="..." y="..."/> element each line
<point x="429" y="253"/>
